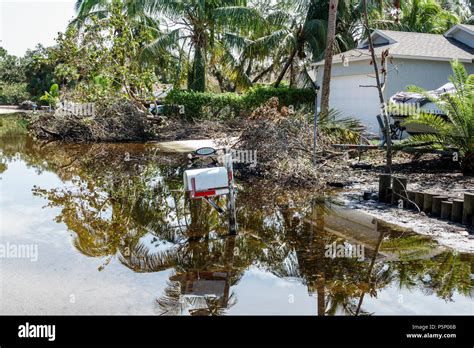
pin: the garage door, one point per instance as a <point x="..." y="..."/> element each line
<point x="352" y="100"/>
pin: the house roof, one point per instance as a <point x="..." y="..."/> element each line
<point x="468" y="27"/>
<point x="412" y="45"/>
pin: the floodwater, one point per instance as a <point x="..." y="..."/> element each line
<point x="107" y="229"/>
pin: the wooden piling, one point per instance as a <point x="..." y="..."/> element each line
<point x="428" y="202"/>
<point x="436" y="206"/>
<point x="384" y="184"/>
<point x="389" y="194"/>
<point x="419" y="199"/>
<point x="399" y="185"/>
<point x="456" y="212"/>
<point x="468" y="209"/>
<point x="411" y="199"/>
<point x="446" y="209"/>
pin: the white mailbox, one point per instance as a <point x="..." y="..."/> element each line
<point x="206" y="182"/>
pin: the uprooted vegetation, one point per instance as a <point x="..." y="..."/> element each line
<point x="281" y="137"/>
<point x="123" y="121"/>
<point x="284" y="144"/>
<point x="111" y="121"/>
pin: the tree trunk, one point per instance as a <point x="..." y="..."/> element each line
<point x="263" y="73"/>
<point x="370" y="270"/>
<point x="285" y="68"/>
<point x="383" y="109"/>
<point x="220" y="80"/>
<point x="328" y="58"/>
<point x="292" y="74"/>
<point x="396" y="4"/>
<point x="197" y="78"/>
<point x="248" y="72"/>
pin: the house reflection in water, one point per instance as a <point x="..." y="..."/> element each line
<point x="212" y="286"/>
<point x="201" y="285"/>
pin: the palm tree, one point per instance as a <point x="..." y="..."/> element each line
<point x="133" y="9"/>
<point x="263" y="49"/>
<point x="122" y="29"/>
<point x="199" y="26"/>
<point x="306" y="33"/>
<point x="458" y="129"/>
<point x="470" y="20"/>
<point x="301" y="30"/>
<point x="100" y="8"/>
<point x="423" y="16"/>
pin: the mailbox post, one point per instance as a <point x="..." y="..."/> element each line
<point x="210" y="182"/>
<point x="231" y="197"/>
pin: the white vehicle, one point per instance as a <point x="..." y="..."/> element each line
<point x="404" y="104"/>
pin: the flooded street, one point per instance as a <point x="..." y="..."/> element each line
<point x="107" y="229"/>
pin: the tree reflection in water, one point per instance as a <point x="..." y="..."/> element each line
<point x="131" y="208"/>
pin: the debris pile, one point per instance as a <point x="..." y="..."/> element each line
<point x="283" y="143"/>
<point x="110" y="121"/>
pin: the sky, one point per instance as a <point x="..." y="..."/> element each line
<point x="25" y="23"/>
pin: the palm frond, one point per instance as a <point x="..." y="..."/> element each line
<point x="434" y="121"/>
<point x="339" y="129"/>
<point x="434" y="141"/>
<point x="141" y="259"/>
<point x="171" y="303"/>
<point x="236" y="41"/>
<point x="263" y="46"/>
<point x="238" y="18"/>
<point x="174" y="9"/>
<point x="278" y="19"/>
<point x="161" y="44"/>
<point x="85" y="7"/>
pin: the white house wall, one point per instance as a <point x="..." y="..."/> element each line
<point x="402" y="73"/>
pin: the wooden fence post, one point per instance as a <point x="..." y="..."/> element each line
<point x="411" y="199"/>
<point x="428" y="202"/>
<point x="419" y="199"/>
<point x="446" y="209"/>
<point x="456" y="212"/>
<point x="384" y="184"/>
<point x="389" y="195"/>
<point x="436" y="207"/>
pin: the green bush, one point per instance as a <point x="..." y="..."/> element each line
<point x="13" y="93"/>
<point x="51" y="98"/>
<point x="190" y="104"/>
<point x="287" y="96"/>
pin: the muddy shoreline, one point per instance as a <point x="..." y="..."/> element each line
<point x="428" y="173"/>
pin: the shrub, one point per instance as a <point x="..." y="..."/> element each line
<point x="12" y="94"/>
<point x="191" y="104"/>
<point x="51" y="98"/>
<point x="287" y="96"/>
